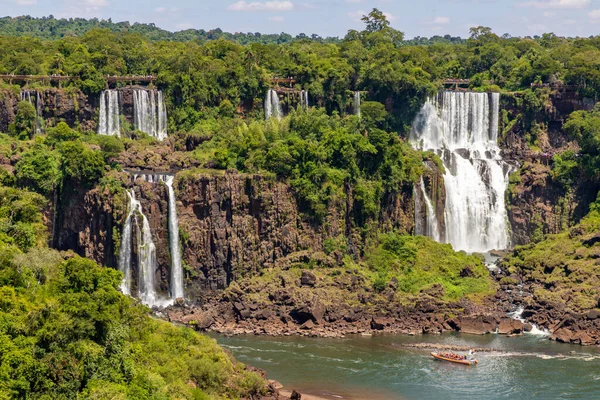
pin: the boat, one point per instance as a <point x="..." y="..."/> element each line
<point x="471" y="361"/>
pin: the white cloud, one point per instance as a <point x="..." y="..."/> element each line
<point x="277" y="18"/>
<point x="26" y="2"/>
<point x="261" y="6"/>
<point x="354" y="1"/>
<point x="555" y="3"/>
<point x="356" y="15"/>
<point x="594" y="14"/>
<point x="96" y="3"/>
<point x="441" y="20"/>
<point x="160" y="9"/>
<point x="390" y="17"/>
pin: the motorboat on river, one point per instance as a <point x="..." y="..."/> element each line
<point x="455" y="358"/>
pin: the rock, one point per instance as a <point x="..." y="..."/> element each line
<point x="593" y="314"/>
<point x="308" y="325"/>
<point x="295" y="395"/>
<point x="479" y="325"/>
<point x="313" y="311"/>
<point x="527" y="327"/>
<point x="583" y="338"/>
<point x="275" y="385"/>
<point x="510" y="326"/>
<point x="308" y="279"/>
<point x="378" y="324"/>
<point x="563" y="335"/>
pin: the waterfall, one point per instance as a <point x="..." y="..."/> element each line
<point x="304" y="99"/>
<point x="37" y="104"/>
<point x="357" y="103"/>
<point x="431" y="227"/>
<point x="150" y="113"/>
<point x="146" y="254"/>
<point x="462" y="128"/>
<point x="176" y="278"/>
<point x="176" y="269"/>
<point x="125" y="249"/>
<point x="108" y="121"/>
<point x="272" y="105"/>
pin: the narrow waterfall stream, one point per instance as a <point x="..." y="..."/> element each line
<point x="304" y="99"/>
<point x="462" y="129"/>
<point x="357" y="103"/>
<point x="272" y="105"/>
<point x="431" y="228"/>
<point x="108" y="119"/>
<point x="126" y="243"/>
<point x="37" y="104"/>
<point x="176" y="269"/>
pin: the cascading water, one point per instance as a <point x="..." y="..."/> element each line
<point x="37" y="104"/>
<point x="176" y="279"/>
<point x="357" y="103"/>
<point x="150" y="113"/>
<point x="272" y="105"/>
<point x="430" y="228"/>
<point x="108" y="121"/>
<point x="176" y="269"/>
<point x="462" y="128"/>
<point x="304" y="99"/>
<point x="125" y="249"/>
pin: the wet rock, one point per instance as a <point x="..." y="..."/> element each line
<point x="510" y="326"/>
<point x="479" y="325"/>
<point x="563" y="335"/>
<point x="295" y="396"/>
<point x="314" y="311"/>
<point x="378" y="323"/>
<point x="527" y="327"/>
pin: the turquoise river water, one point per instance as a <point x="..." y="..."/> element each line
<point x="379" y="367"/>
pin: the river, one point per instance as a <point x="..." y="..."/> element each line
<point x="379" y="367"/>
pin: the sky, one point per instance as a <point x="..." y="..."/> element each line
<point x="333" y="17"/>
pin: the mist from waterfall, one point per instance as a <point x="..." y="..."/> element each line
<point x="108" y="119"/>
<point x="150" y="113"/>
<point x="272" y="105"/>
<point x="176" y="268"/>
<point x="356" y="103"/>
<point x="462" y="128"/>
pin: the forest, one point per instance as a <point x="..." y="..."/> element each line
<point x="66" y="331"/>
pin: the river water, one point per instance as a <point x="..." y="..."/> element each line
<point x="379" y="367"/>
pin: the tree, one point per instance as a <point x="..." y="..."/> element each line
<point x="376" y="21"/>
<point x="25" y="120"/>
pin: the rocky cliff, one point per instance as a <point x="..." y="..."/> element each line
<point x="531" y="134"/>
<point x="231" y="225"/>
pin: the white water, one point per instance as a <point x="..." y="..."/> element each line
<point x="125" y="249"/>
<point x="431" y="228"/>
<point x="357" y="103"/>
<point x="462" y="128"/>
<point x="176" y="279"/>
<point x="304" y="99"/>
<point x="37" y="104"/>
<point x="176" y="269"/>
<point x="150" y="113"/>
<point x="146" y="255"/>
<point x="272" y="105"/>
<point x="108" y="120"/>
<point x="535" y="330"/>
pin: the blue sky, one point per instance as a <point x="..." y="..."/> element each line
<point x="333" y="17"/>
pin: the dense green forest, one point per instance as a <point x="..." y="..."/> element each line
<point x="65" y="330"/>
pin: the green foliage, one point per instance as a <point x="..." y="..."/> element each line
<point x="39" y="170"/>
<point x="418" y="263"/>
<point x="61" y="133"/>
<point x="25" y="120"/>
<point x="81" y="164"/>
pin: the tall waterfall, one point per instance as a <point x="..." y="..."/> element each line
<point x="108" y="121"/>
<point x="462" y="128"/>
<point x="272" y="105"/>
<point x="150" y="113"/>
<point x="304" y="99"/>
<point x="146" y="254"/>
<point x="176" y="269"/>
<point x="357" y="103"/>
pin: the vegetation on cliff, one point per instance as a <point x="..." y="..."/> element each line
<point x="66" y="331"/>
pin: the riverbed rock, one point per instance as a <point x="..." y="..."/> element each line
<point x="478" y="325"/>
<point x="510" y="326"/>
